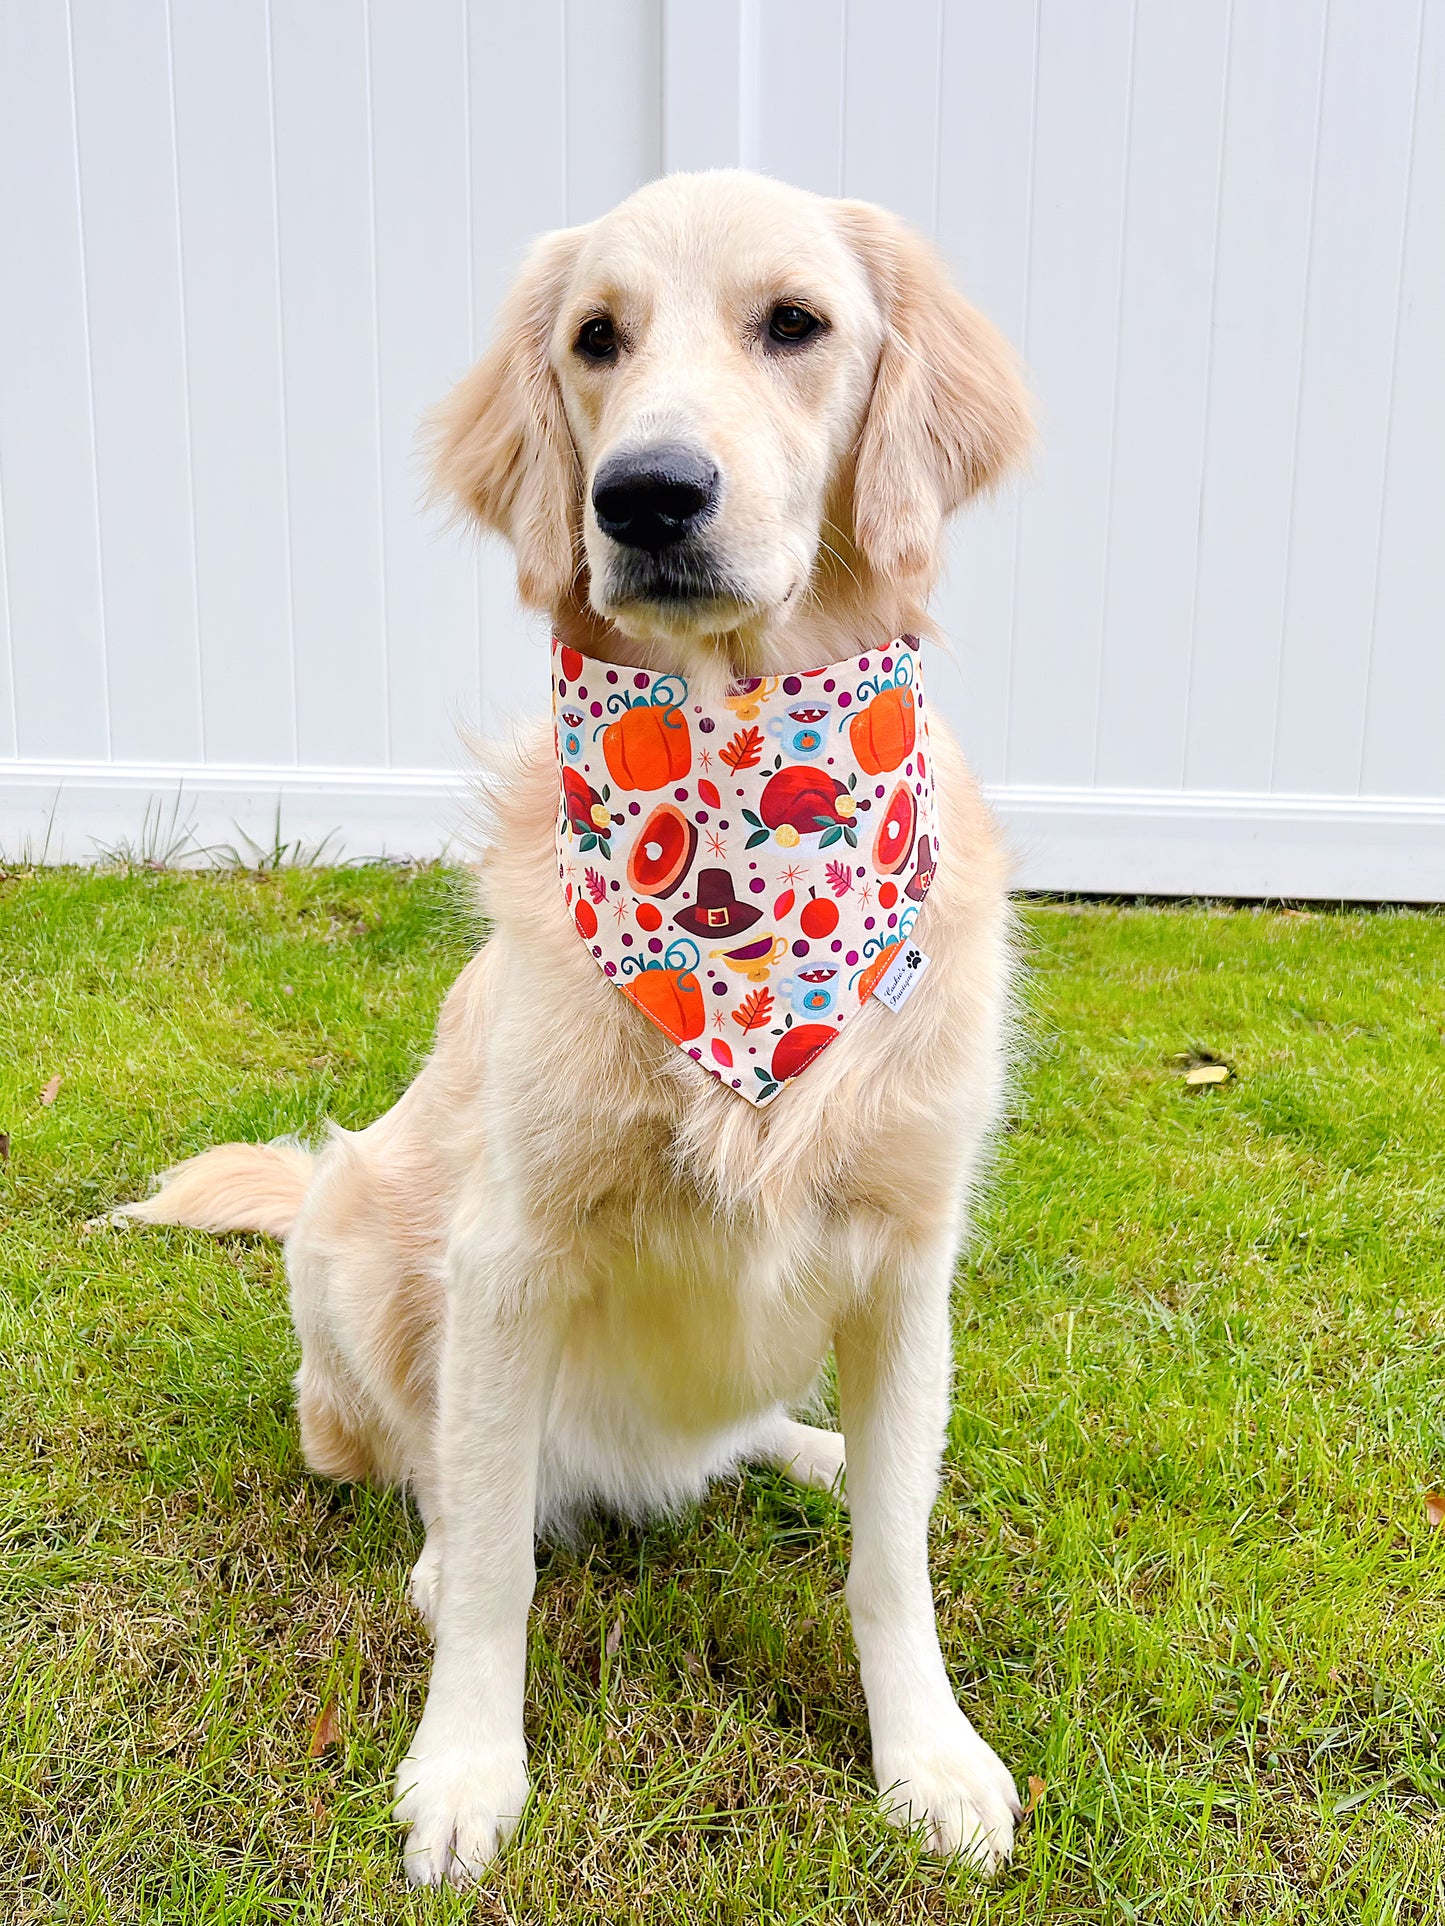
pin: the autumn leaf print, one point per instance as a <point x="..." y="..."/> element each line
<point x="596" y="885"/>
<point x="754" y="1011"/>
<point x="744" y="751"/>
<point x="840" y="878"/>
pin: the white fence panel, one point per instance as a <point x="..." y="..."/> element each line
<point x="244" y="248"/>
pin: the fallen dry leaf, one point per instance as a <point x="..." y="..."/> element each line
<point x="1434" y="1509"/>
<point x="51" y="1090"/>
<point x="324" y="1733"/>
<point x="1036" y="1792"/>
<point x="4" y="1146"/>
<point x="613" y="1638"/>
<point x="1203" y="1067"/>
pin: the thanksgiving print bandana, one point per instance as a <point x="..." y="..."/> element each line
<point x="745" y="873"/>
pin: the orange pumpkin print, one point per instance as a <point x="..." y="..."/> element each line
<point x="868" y="982"/>
<point x="647" y="747"/>
<point x="883" y="734"/>
<point x="673" y="1000"/>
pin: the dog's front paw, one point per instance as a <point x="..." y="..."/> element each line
<point x="957" y="1791"/>
<point x="459" y="1807"/>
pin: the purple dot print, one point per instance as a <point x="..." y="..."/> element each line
<point x="596" y="709"/>
<point x="639" y="681"/>
<point x="627" y="939"/>
<point x="756" y="883"/>
<point x="851" y="958"/>
<point x="836" y="945"/>
<point x="792" y="685"/>
<point x="893" y="921"/>
<point x="612" y="675"/>
<point x="867" y="922"/>
<point x="800" y="948"/>
<point x="886" y="664"/>
<point x="844" y="700"/>
<point x="707" y="725"/>
<point x="719" y="989"/>
<point x="634" y="809"/>
<point x="829" y="686"/>
<point x="863" y="664"/>
<point x="679" y="795"/>
<point x="654" y="943"/>
<point x="581" y="693"/>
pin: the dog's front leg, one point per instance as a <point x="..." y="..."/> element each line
<point x="933" y="1769"/>
<point x="462" y="1786"/>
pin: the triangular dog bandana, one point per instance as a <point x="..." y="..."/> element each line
<point x="745" y="873"/>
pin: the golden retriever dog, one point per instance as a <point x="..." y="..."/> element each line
<point x="722" y="428"/>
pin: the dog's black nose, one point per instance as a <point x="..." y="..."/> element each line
<point x="652" y="497"/>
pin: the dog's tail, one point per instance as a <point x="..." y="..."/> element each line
<point x="252" y="1187"/>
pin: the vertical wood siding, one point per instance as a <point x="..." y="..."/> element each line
<point x="244" y="248"/>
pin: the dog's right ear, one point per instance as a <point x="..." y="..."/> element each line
<point x="500" y="446"/>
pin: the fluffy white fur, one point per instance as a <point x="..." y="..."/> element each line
<point x="569" y="1268"/>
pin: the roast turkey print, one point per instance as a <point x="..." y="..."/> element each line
<point x="746" y="873"/>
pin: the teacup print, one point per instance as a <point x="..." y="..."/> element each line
<point x="802" y="730"/>
<point x="811" y="992"/>
<point x="754" y="960"/>
<point x="746" y="698"/>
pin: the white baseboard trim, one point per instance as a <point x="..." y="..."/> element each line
<point x="73" y="812"/>
<point x="1126" y="841"/>
<point x="1383" y="849"/>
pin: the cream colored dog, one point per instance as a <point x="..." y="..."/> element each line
<point x="569" y="1268"/>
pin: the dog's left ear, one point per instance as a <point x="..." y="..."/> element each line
<point x="500" y="445"/>
<point x="949" y="414"/>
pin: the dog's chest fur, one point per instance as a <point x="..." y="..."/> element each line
<point x="708" y="1248"/>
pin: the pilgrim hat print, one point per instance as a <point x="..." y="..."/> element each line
<point x="922" y="872"/>
<point x="717" y="911"/>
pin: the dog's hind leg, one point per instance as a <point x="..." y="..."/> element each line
<point x="366" y="1304"/>
<point x="333" y="1444"/>
<point x="423" y="1588"/>
<point x="802" y="1452"/>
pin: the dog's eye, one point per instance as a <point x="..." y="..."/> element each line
<point x="789" y="326"/>
<point x="597" y="340"/>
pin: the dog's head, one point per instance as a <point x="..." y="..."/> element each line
<point x="717" y="391"/>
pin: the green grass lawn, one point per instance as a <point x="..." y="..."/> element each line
<point x="1186" y="1571"/>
